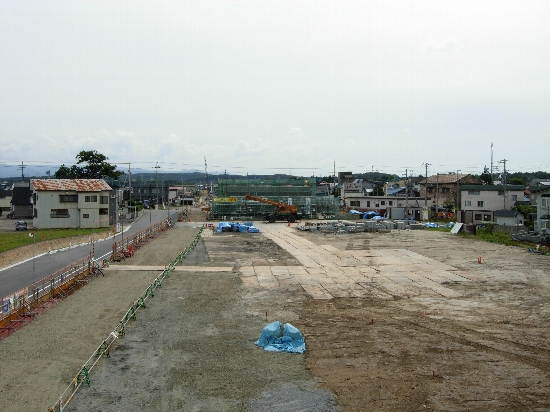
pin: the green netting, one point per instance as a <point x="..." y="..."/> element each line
<point x="241" y="209"/>
<point x="267" y="187"/>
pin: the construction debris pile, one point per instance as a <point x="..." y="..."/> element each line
<point x="346" y="226"/>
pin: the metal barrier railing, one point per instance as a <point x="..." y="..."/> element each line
<point x="25" y="303"/>
<point x="104" y="349"/>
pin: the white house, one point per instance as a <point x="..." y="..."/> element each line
<point x="508" y="218"/>
<point x="70" y="203"/>
<point x="479" y="202"/>
<point x="541" y="197"/>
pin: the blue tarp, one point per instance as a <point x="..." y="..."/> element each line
<point x="278" y="338"/>
<point x="237" y="227"/>
<point x="222" y="224"/>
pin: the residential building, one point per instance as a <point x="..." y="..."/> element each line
<point x="357" y="188"/>
<point x="480" y="202"/>
<point x="6" y="194"/>
<point x="442" y="189"/>
<point x="21" y="205"/>
<point x="508" y="218"/>
<point x="540" y="197"/>
<point x="72" y="203"/>
<point x="393" y="207"/>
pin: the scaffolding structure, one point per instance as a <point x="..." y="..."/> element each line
<point x="283" y="188"/>
<point x="309" y="207"/>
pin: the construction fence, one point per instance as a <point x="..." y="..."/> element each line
<point x="104" y="348"/>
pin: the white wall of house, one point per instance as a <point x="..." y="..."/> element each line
<point x="483" y="200"/>
<point x="510" y="220"/>
<point x="543" y="209"/>
<point x="71" y="209"/>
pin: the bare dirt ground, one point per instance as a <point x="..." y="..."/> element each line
<point x="392" y="321"/>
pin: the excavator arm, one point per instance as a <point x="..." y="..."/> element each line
<point x="288" y="211"/>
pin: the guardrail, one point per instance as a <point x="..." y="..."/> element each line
<point x="104" y="349"/>
<point x="20" y="307"/>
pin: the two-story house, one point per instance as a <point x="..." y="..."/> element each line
<point x="540" y="197"/>
<point x="70" y="203"/>
<point x="392" y="207"/>
<point x="444" y="189"/>
<point x="21" y="205"/>
<point x="480" y="202"/>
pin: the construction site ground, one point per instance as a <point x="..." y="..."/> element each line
<point x="403" y="320"/>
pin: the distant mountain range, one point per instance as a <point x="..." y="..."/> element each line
<point x="37" y="172"/>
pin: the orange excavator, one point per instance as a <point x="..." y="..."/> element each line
<point x="283" y="211"/>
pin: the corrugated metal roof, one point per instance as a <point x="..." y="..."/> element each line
<point x="442" y="179"/>
<point x="78" y="185"/>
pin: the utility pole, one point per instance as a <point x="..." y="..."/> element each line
<point x="22" y="167"/>
<point x="426" y="185"/>
<point x="437" y="193"/>
<point x="157" y="167"/>
<point x="206" y="173"/>
<point x="492" y="176"/>
<point x="503" y="161"/>
<point x="457" y="193"/>
<point x="406" y="192"/>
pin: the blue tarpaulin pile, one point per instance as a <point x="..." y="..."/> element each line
<point x="236" y="227"/>
<point x="278" y="338"/>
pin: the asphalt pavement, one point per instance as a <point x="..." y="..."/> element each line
<point x="20" y="275"/>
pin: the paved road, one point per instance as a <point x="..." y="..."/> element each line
<point x="25" y="273"/>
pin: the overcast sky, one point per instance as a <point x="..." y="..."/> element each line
<point x="277" y="86"/>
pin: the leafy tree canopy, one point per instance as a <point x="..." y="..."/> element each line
<point x="486" y="177"/>
<point x="95" y="167"/>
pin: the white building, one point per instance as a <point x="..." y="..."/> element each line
<point x="70" y="203"/>
<point x="479" y="202"/>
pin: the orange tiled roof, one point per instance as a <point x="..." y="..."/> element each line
<point x="78" y="185"/>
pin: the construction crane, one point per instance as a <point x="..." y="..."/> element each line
<point x="283" y="211"/>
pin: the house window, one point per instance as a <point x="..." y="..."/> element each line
<point x="86" y="215"/>
<point x="445" y="190"/>
<point x="486" y="218"/>
<point x="430" y="189"/>
<point x="104" y="200"/>
<point x="59" y="213"/>
<point x="480" y="203"/>
<point x="501" y="192"/>
<point x="467" y="203"/>
<point x="103" y="211"/>
<point x="368" y="203"/>
<point x="382" y="202"/>
<point x="390" y="202"/>
<point x="68" y="198"/>
<point x="477" y="216"/>
<point x="474" y="192"/>
<point x="90" y="198"/>
<point x="515" y="198"/>
<point x="355" y="203"/>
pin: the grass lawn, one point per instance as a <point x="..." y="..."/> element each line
<point x="16" y="239"/>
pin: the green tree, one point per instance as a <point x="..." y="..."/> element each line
<point x="486" y="177"/>
<point x="95" y="167"/>
<point x="516" y="181"/>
